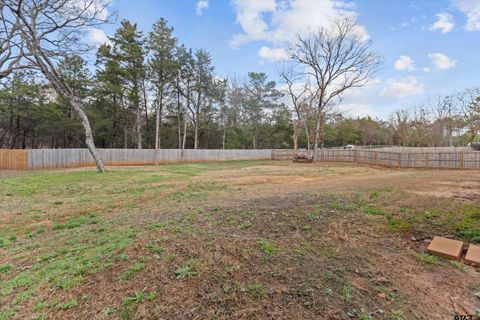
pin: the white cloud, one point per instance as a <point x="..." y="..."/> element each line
<point x="404" y="63"/>
<point x="287" y="18"/>
<point x="250" y="18"/>
<point x="98" y="36"/>
<point x="426" y="69"/>
<point x="441" y="61"/>
<point x="353" y="93"/>
<point x="405" y="24"/>
<point x="444" y="23"/>
<point x="354" y="110"/>
<point x="99" y="8"/>
<point x="403" y="88"/>
<point x="201" y="6"/>
<point x="472" y="9"/>
<point x="273" y="54"/>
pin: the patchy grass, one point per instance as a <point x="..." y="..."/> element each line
<point x="185" y="271"/>
<point x="132" y="271"/>
<point x="257" y="290"/>
<point x="5" y="268"/>
<point x="398" y="315"/>
<point x="130" y="303"/>
<point x="268" y="248"/>
<point x="72" y="303"/>
<point x="425" y="258"/>
<point x="236" y="239"/>
<point x="373" y="211"/>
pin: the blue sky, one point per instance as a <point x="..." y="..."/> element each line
<point x="428" y="48"/>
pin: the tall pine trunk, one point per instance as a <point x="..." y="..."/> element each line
<point x="184" y="134"/>
<point x="158" y="122"/>
<point x="138" y="125"/>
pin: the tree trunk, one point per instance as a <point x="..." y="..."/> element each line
<point x="62" y="90"/>
<point x="184" y="134"/>
<point x="317" y="137"/>
<point x="223" y="137"/>
<point x="158" y="122"/>
<point x="88" y="135"/>
<point x="61" y="87"/>
<point x="295" y="139"/>
<point x="179" y="131"/>
<point x="138" y="125"/>
<point x="195" y="145"/>
<point x="179" y="118"/>
<point x="114" y="122"/>
<point x="308" y="135"/>
<point x="145" y="106"/>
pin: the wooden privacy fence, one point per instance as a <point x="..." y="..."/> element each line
<point x="434" y="160"/>
<point x="13" y="159"/>
<point x="70" y="158"/>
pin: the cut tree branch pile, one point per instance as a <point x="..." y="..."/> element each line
<point x="303" y="157"/>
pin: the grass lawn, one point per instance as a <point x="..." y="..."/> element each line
<point x="235" y="240"/>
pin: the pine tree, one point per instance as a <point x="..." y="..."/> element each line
<point x="127" y="50"/>
<point x="162" y="68"/>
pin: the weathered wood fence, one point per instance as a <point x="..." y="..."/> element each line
<point x="414" y="159"/>
<point x="13" y="159"/>
<point x="71" y="158"/>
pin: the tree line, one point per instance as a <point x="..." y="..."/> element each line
<point x="151" y="91"/>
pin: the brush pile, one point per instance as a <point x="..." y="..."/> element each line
<point x="303" y="157"/>
<point x="475" y="146"/>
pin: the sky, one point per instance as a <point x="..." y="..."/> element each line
<point x="428" y="47"/>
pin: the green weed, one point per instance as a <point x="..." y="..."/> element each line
<point x="347" y="292"/>
<point x="373" y="211"/>
<point x="185" y="271"/>
<point x="132" y="271"/>
<point x="397" y="315"/>
<point x="268" y="248"/>
<point x="154" y="249"/>
<point x="256" y="290"/>
<point x="72" y="303"/>
<point x="425" y="258"/>
<point x="4" y="268"/>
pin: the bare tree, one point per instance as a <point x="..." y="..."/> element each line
<point x="336" y="60"/>
<point x="300" y="97"/>
<point x="10" y="43"/>
<point x="421" y="125"/>
<point x="51" y="30"/>
<point x="469" y="101"/>
<point x="446" y="114"/>
<point x="401" y="123"/>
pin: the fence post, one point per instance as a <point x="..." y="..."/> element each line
<point x="462" y="160"/>
<point x="399" y="160"/>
